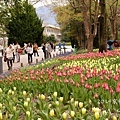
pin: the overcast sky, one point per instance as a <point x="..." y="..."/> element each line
<point x="47" y="2"/>
<point x="44" y="10"/>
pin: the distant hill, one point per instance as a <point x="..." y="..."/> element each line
<point x="46" y="14"/>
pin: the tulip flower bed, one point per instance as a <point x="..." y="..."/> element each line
<point x="76" y="87"/>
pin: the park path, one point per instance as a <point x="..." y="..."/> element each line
<point x="24" y="60"/>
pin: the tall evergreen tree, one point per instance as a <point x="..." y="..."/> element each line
<point x="3" y="19"/>
<point x="24" y="25"/>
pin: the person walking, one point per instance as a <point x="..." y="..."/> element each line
<point x="16" y="51"/>
<point x="29" y="51"/>
<point x="49" y="49"/>
<point x="44" y="50"/>
<point x="35" y="49"/>
<point x="9" y="56"/>
<point x="59" y="45"/>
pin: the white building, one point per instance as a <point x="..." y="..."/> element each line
<point x="52" y="30"/>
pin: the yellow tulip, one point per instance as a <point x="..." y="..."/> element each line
<point x="42" y="97"/>
<point x="80" y="104"/>
<point x="49" y="105"/>
<point x="13" y="93"/>
<point x="97" y="115"/>
<point x="72" y="113"/>
<point x="114" y="118"/>
<point x="0" y="90"/>
<point x="55" y="94"/>
<point x="104" y="112"/>
<point x="76" y="103"/>
<point x="39" y="119"/>
<point x="52" y="113"/>
<point x="14" y="88"/>
<point x="24" y="93"/>
<point x="1" y="116"/>
<point x="95" y="109"/>
<point x="64" y="115"/>
<point x="25" y="104"/>
<point x="83" y="111"/>
<point x="28" y="99"/>
<point x="14" y="108"/>
<point x="0" y="106"/>
<point x="72" y="99"/>
<point x="28" y="113"/>
<point x="61" y="99"/>
<point x="57" y="103"/>
<point x="10" y="91"/>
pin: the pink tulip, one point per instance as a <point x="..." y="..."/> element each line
<point x="111" y="90"/>
<point x="105" y="86"/>
<point x="95" y="95"/>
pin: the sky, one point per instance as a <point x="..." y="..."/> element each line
<point x="46" y="14"/>
<point x="44" y="11"/>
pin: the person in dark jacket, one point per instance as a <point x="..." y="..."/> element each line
<point x="44" y="50"/>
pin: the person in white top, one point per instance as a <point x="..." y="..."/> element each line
<point x="16" y="47"/>
<point x="29" y="51"/>
<point x="9" y="56"/>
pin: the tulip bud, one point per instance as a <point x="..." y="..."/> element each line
<point x="49" y="105"/>
<point x="39" y="119"/>
<point x="25" y="104"/>
<point x="83" y="111"/>
<point x="57" y="103"/>
<point x="13" y="93"/>
<point x="14" y="108"/>
<point x="95" y="109"/>
<point x="24" y="93"/>
<point x="55" y="94"/>
<point x="80" y="104"/>
<point x="72" y="113"/>
<point x="0" y="90"/>
<point x="114" y="118"/>
<point x="76" y="103"/>
<point x="52" y="113"/>
<point x="104" y="112"/>
<point x="90" y="101"/>
<point x="72" y="99"/>
<point x="97" y="115"/>
<point x="0" y="106"/>
<point x="14" y="88"/>
<point x="28" y="99"/>
<point x="10" y="91"/>
<point x="28" y="113"/>
<point x="61" y="99"/>
<point x="64" y="115"/>
<point x="42" y="97"/>
<point x="1" y="116"/>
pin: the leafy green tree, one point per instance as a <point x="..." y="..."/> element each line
<point x="24" y="25"/>
<point x="50" y="38"/>
<point x="70" y="22"/>
<point x="3" y="19"/>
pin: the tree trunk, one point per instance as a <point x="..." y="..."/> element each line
<point x="102" y="25"/>
<point x="113" y="28"/>
<point x="90" y="43"/>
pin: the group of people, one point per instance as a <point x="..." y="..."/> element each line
<point x="13" y="52"/>
<point x="48" y="48"/>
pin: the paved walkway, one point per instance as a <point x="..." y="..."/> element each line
<point x="24" y="59"/>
